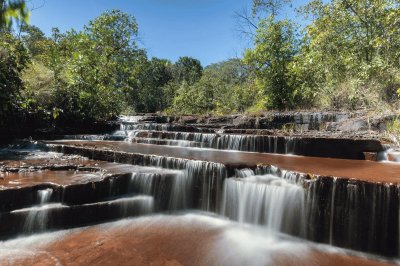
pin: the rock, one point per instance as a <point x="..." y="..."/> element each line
<point x="370" y="156"/>
<point x="188" y="119"/>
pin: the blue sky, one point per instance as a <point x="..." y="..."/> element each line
<point x="204" y="29"/>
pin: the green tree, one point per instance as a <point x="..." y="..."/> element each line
<point x="224" y="87"/>
<point x="12" y="10"/>
<point x="275" y="48"/>
<point x="13" y="59"/>
<point x="99" y="66"/>
<point x="352" y="49"/>
<point x="187" y="69"/>
<point x="152" y="95"/>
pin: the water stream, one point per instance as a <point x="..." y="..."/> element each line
<point x="258" y="215"/>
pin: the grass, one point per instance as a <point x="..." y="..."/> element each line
<point x="393" y="129"/>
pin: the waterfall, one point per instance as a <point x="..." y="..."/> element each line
<point x="37" y="217"/>
<point x="262" y="170"/>
<point x="290" y="145"/>
<point x="177" y="135"/>
<point x="266" y="200"/>
<point x="332" y="214"/>
<point x="197" y="184"/>
<point x="44" y="195"/>
<point x="204" y="178"/>
<point x="171" y="192"/>
<point x="180" y="192"/>
<point x="135" y="205"/>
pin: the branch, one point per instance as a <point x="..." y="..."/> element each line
<point x="247" y="19"/>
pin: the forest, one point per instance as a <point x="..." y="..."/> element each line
<point x="346" y="55"/>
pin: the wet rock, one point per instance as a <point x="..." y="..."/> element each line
<point x="244" y="122"/>
<point x="371" y="156"/>
<point x="188" y="119"/>
<point x="350" y="126"/>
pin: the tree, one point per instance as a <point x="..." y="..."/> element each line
<point x="13" y="59"/>
<point x="152" y="95"/>
<point x="187" y="69"/>
<point x="224" y="87"/>
<point x="275" y="48"/>
<point x="12" y="9"/>
<point x="269" y="7"/>
<point x="352" y="42"/>
<point x="101" y="60"/>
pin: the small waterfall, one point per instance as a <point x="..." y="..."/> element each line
<point x="196" y="184"/>
<point x="171" y="192"/>
<point x="180" y="192"/>
<point x="260" y="170"/>
<point x="332" y="214"/>
<point x="290" y="145"/>
<point x="354" y="214"/>
<point x="45" y="195"/>
<point x="135" y="205"/>
<point x="273" y="144"/>
<point x="266" y="200"/>
<point x="37" y="217"/>
<point x="390" y="154"/>
<point x="351" y="205"/>
<point x="184" y="136"/>
<point x="242" y="173"/>
<point x="130" y="119"/>
<point x="205" y="175"/>
<point x="142" y="183"/>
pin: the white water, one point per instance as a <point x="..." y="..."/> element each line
<point x="390" y="155"/>
<point x="332" y="213"/>
<point x="172" y="135"/>
<point x="231" y="243"/>
<point x="45" y="195"/>
<point x="267" y="200"/>
<point x="205" y="176"/>
<point x="37" y="216"/>
<point x="134" y="205"/>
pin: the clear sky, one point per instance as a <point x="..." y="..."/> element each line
<point x="204" y="29"/>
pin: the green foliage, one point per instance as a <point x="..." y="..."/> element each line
<point x="188" y="70"/>
<point x="346" y="57"/>
<point x="40" y="83"/>
<point x="223" y="88"/>
<point x="153" y="93"/>
<point x="393" y="129"/>
<point x="12" y="10"/>
<point x="351" y="40"/>
<point x="269" y="7"/>
<point x="393" y="126"/>
<point x="99" y="65"/>
<point x="13" y="59"/>
<point x="275" y="48"/>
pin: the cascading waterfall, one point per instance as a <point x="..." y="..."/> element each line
<point x="38" y="215"/>
<point x="171" y="192"/>
<point x="323" y="209"/>
<point x="252" y="143"/>
<point x="138" y="204"/>
<point x="198" y="184"/>
<point x="290" y="145"/>
<point x="332" y="214"/>
<point x="45" y="195"/>
<point x="180" y="192"/>
<point x="354" y="214"/>
<point x="266" y="200"/>
<point x="203" y="178"/>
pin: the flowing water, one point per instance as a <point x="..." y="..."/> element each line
<point x="259" y="216"/>
<point x="266" y="200"/>
<point x="37" y="216"/>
